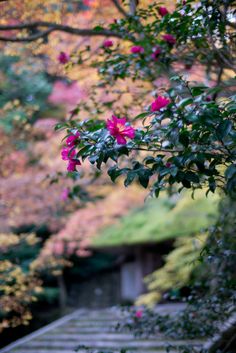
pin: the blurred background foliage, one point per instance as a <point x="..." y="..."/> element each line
<point x="23" y="93"/>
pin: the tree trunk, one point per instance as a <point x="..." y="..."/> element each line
<point x="62" y="292"/>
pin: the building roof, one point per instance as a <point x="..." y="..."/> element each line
<point x="161" y="219"/>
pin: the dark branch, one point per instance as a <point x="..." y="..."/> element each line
<point x="31" y="38"/>
<point x="52" y="27"/>
<point x="133" y="6"/>
<point x="120" y="8"/>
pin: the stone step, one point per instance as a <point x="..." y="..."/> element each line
<point x="91" y="320"/>
<point x="84" y="351"/>
<point x="83" y="330"/>
<point x="93" y="324"/>
<point x="96" y="336"/>
<point x="134" y="344"/>
<point x="96" y="329"/>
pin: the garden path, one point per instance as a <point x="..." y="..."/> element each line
<point x="94" y="329"/>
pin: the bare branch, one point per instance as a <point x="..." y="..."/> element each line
<point x="52" y="27"/>
<point x="31" y="38"/>
<point x="133" y="6"/>
<point x="120" y="8"/>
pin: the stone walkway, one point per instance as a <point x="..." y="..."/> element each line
<point x="93" y="329"/>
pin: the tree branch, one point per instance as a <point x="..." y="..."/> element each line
<point x="31" y="38"/>
<point x="120" y="8"/>
<point x="52" y="27"/>
<point x="133" y="6"/>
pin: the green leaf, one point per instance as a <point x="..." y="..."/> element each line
<point x="98" y="28"/>
<point x="186" y="183"/>
<point x="60" y="126"/>
<point x="142" y="115"/>
<point x="184" y="102"/>
<point x="198" y="90"/>
<point x="224" y="129"/>
<point x="123" y="150"/>
<point x="114" y="173"/>
<point x="184" y="138"/>
<point x="130" y="178"/>
<point x="192" y="177"/>
<point x="230" y="171"/>
<point x="144" y="176"/>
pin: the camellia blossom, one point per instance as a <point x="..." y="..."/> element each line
<point x="72" y="139"/>
<point x="169" y="39"/>
<point x="163" y="11"/>
<point x="71" y="167"/>
<point x="68" y="154"/>
<point x="108" y="43"/>
<point x="63" y="58"/>
<point x="159" y="103"/>
<point x="118" y="129"/>
<point x="137" y="49"/>
<point x="139" y="314"/>
<point x="156" y="53"/>
<point x="208" y="98"/>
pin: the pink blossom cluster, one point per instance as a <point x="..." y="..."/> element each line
<point x="169" y="38"/>
<point x="156" y="53"/>
<point x="69" y="153"/>
<point x="163" y="11"/>
<point x="139" y="314"/>
<point x="63" y="58"/>
<point x="137" y="49"/>
<point x="108" y="43"/>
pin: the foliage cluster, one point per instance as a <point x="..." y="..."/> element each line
<point x="19" y="284"/>
<point x="212" y="298"/>
<point x="160" y="220"/>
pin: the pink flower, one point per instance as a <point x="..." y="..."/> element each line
<point x="159" y="103"/>
<point x="67" y="154"/>
<point x="169" y="39"/>
<point x="208" y="98"/>
<point x="139" y="314"/>
<point x="137" y="49"/>
<point x="156" y="53"/>
<point x="107" y="43"/>
<point x="163" y="11"/>
<point x="63" y="58"/>
<point x="72" y="139"/>
<point x="71" y="167"/>
<point x="119" y="130"/>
